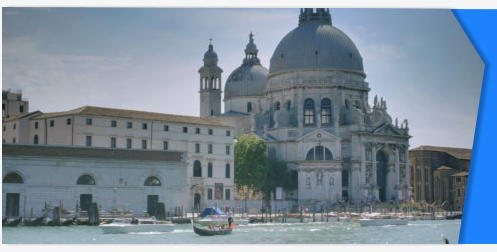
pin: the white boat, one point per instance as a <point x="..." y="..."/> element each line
<point x="124" y="226"/>
<point x="378" y="219"/>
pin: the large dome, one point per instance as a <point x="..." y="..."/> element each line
<point x="246" y="80"/>
<point x="316" y="44"/>
<point x="250" y="78"/>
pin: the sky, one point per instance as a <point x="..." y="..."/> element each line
<point x="420" y="61"/>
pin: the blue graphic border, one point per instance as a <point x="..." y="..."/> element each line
<point x="479" y="223"/>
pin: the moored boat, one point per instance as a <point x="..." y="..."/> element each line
<point x="124" y="226"/>
<point x="11" y="222"/>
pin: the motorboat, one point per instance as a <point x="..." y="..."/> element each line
<point x="377" y="219"/>
<point x="205" y="231"/>
<point x="212" y="216"/>
<point x="124" y="226"/>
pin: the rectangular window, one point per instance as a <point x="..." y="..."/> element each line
<point x="165" y="145"/>
<point x="228" y="133"/>
<point x="113" y="123"/>
<point x="113" y="142"/>
<point x="228" y="171"/>
<point x="228" y="150"/>
<point x="89" y="121"/>
<point x="209" y="194"/>
<point x="144" y="144"/>
<point x="128" y="143"/>
<point x="209" y="170"/>
<point x="52" y="123"/>
<point x="185" y="129"/>
<point x="68" y="121"/>
<point x="21" y="109"/>
<point x="36" y="125"/>
<point x="14" y="140"/>
<point x="166" y="127"/>
<point x="14" y="126"/>
<point x="210" y="131"/>
<point x="227" y="193"/>
<point x="197" y="148"/>
<point x="129" y="125"/>
<point x="144" y="126"/>
<point x="197" y="131"/>
<point x="209" y="149"/>
<point x="88" y="140"/>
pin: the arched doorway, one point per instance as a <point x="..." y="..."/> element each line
<point x="196" y="201"/>
<point x="381" y="174"/>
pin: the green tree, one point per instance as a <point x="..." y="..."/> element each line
<point x="256" y="172"/>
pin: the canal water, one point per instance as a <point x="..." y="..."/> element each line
<point x="426" y="232"/>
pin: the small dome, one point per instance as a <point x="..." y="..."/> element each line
<point x="210" y="57"/>
<point x="250" y="78"/>
<point x="246" y="80"/>
<point x="316" y="44"/>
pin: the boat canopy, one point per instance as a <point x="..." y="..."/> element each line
<point x="211" y="211"/>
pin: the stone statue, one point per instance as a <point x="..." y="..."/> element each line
<point x="406" y="124"/>
<point x="375" y="101"/>
<point x="332" y="181"/>
<point x="319" y="178"/>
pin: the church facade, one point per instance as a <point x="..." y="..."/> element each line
<point x="311" y="107"/>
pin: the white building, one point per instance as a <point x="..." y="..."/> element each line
<point x="39" y="176"/>
<point x="206" y="143"/>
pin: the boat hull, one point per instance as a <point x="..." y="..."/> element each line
<point x="206" y="232"/>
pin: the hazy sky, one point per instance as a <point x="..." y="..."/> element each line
<point x="420" y="61"/>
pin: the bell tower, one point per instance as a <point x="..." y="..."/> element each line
<point x="210" y="84"/>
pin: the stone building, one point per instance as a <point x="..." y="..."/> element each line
<point x="312" y="109"/>
<point x="434" y="171"/>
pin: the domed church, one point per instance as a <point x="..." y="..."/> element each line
<point x="311" y="107"/>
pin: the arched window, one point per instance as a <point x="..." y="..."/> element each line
<point x="319" y="153"/>
<point x="288" y="105"/>
<point x="13" y="178"/>
<point x="152" y="181"/>
<point x="197" y="169"/>
<point x="35" y="139"/>
<point x="249" y="107"/>
<point x="277" y="106"/>
<point x="86" y="180"/>
<point x="325" y="111"/>
<point x="308" y="112"/>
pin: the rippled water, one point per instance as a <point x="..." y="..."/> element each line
<point x="279" y="233"/>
